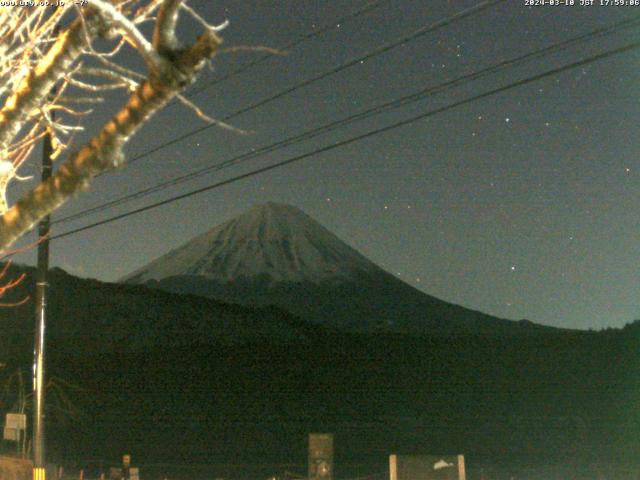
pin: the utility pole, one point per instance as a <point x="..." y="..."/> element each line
<point x="41" y="304"/>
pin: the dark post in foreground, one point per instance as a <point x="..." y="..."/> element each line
<point x="41" y="304"/>
<point x="320" y="456"/>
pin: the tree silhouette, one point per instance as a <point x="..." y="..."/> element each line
<point x="47" y="49"/>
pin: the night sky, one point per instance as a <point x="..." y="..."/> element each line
<point x="522" y="205"/>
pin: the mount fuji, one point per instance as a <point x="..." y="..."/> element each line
<point x="275" y="254"/>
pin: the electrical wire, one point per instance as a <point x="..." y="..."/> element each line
<point x="243" y="68"/>
<point x="376" y="110"/>
<point x="371" y="133"/>
<point x="355" y="61"/>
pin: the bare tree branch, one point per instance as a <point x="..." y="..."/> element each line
<point x="104" y="151"/>
<point x="37" y="53"/>
<point x="117" y="20"/>
<point x="37" y="84"/>
<point x="164" y="36"/>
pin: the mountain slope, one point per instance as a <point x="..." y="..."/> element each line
<point x="278" y="242"/>
<point x="277" y="255"/>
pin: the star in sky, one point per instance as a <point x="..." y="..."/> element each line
<point x="382" y="165"/>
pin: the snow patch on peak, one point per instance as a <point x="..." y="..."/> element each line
<point x="275" y="241"/>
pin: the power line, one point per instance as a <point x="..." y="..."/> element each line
<point x="371" y="133"/>
<point x="355" y="61"/>
<point x="356" y="13"/>
<point x="407" y="99"/>
<point x="243" y="68"/>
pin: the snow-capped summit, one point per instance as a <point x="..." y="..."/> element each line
<point x="275" y="241"/>
<point x="276" y="254"/>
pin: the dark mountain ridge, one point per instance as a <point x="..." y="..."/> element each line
<point x="275" y="254"/>
<point x="91" y="316"/>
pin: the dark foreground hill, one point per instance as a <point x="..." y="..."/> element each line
<point x="184" y="380"/>
<point x="89" y="317"/>
<point x="534" y="402"/>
